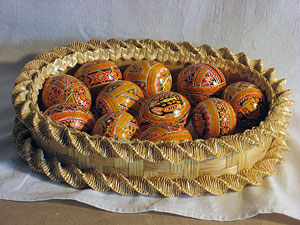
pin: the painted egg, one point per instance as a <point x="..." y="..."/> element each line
<point x="97" y="74"/>
<point x="117" y="125"/>
<point x="167" y="108"/>
<point x="199" y="81"/>
<point x="247" y="101"/>
<point x="119" y="96"/>
<point x="163" y="132"/>
<point x="152" y="77"/>
<point x="213" y="117"/>
<point x="66" y="89"/>
<point x="71" y="115"/>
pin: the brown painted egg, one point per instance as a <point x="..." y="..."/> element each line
<point x="117" y="125"/>
<point x="247" y="101"/>
<point x="152" y="77"/>
<point x="163" y="132"/>
<point x="66" y="89"/>
<point x="213" y="117"/>
<point x="71" y="115"/>
<point x="97" y="74"/>
<point x="119" y="96"/>
<point x="164" y="108"/>
<point x="199" y="81"/>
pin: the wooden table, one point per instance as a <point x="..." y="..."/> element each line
<point x="71" y="212"/>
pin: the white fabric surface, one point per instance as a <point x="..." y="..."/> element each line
<point x="269" y="30"/>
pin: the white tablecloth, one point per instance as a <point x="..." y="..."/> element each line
<point x="269" y="30"/>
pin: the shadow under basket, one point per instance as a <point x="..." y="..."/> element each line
<point x="168" y="168"/>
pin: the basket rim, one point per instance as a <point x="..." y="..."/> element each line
<point x="24" y="100"/>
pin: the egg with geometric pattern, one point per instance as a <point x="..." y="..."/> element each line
<point x="120" y="95"/>
<point x="66" y="89"/>
<point x="72" y="116"/>
<point x="213" y="117"/>
<point x="163" y="132"/>
<point x="247" y="101"/>
<point x="117" y="125"/>
<point x="97" y="74"/>
<point x="199" y="81"/>
<point x="164" y="108"/>
<point x="152" y="77"/>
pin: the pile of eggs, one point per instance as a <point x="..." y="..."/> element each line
<point x="141" y="103"/>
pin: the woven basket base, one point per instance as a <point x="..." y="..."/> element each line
<point x="73" y="176"/>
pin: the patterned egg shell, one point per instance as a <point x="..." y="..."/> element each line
<point x="117" y="125"/>
<point x="97" y="74"/>
<point x="119" y="96"/>
<point x="247" y="101"/>
<point x="197" y="82"/>
<point x="167" y="107"/>
<point x="152" y="77"/>
<point x="66" y="89"/>
<point x="71" y="115"/>
<point x="163" y="132"/>
<point x="213" y="117"/>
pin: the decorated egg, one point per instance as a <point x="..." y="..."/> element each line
<point x="97" y="74"/>
<point x="163" y="132"/>
<point x="247" y="101"/>
<point x="213" y="117"/>
<point x="119" y="96"/>
<point x="167" y="108"/>
<point x="199" y="81"/>
<point x="152" y="77"/>
<point x="117" y="125"/>
<point x="71" y="115"/>
<point x="66" y="89"/>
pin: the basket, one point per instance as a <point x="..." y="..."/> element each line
<point x="167" y="168"/>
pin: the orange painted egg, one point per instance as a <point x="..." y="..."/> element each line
<point x="71" y="115"/>
<point x="152" y="77"/>
<point x="199" y="81"/>
<point x="66" y="89"/>
<point x="117" y="125"/>
<point x="97" y="74"/>
<point x="119" y="96"/>
<point x="247" y="101"/>
<point x="163" y="132"/>
<point x="213" y="117"/>
<point x="164" y="108"/>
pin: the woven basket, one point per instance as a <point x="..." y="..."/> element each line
<point x="169" y="168"/>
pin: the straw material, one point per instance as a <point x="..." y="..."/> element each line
<point x="169" y="168"/>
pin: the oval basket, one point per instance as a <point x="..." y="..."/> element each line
<point x="169" y="168"/>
